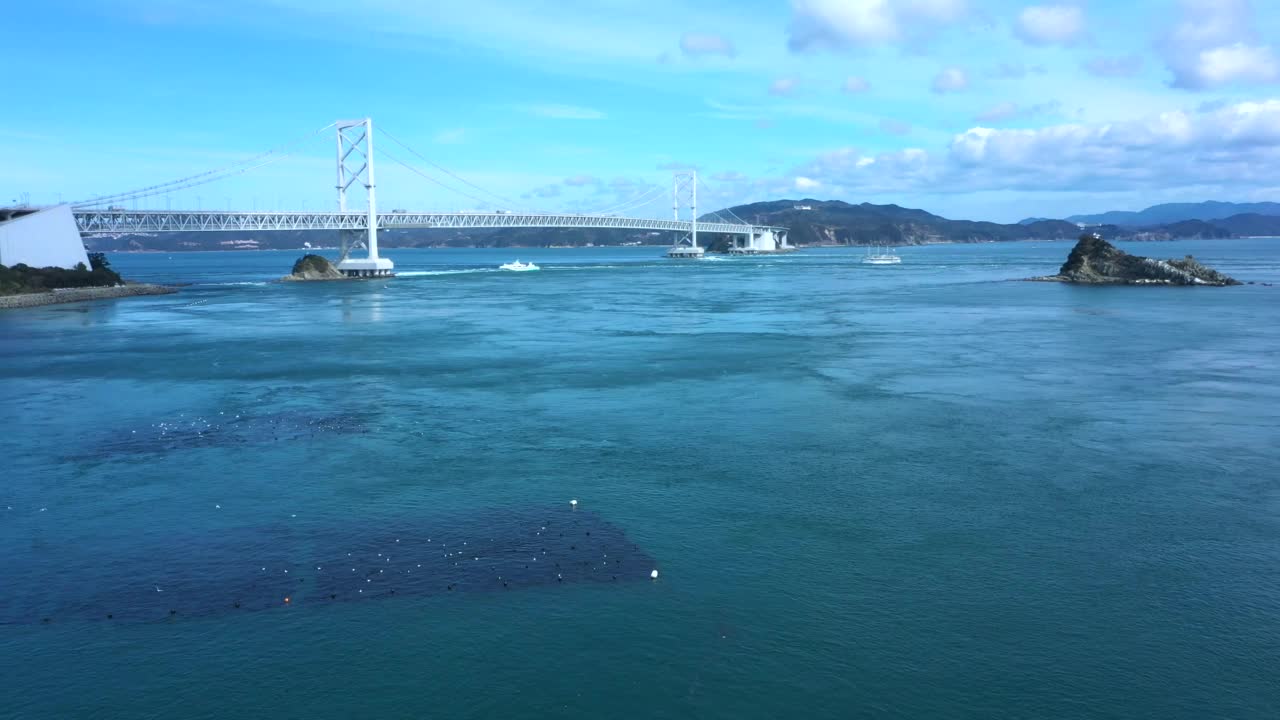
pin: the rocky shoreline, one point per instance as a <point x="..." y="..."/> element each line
<point x="71" y="295"/>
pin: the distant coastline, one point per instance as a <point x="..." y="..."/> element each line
<point x="162" y="251"/>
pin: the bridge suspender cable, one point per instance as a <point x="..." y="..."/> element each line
<point x="635" y="202"/>
<point x="427" y="177"/>
<point x="512" y="204"/>
<point x="235" y="168"/>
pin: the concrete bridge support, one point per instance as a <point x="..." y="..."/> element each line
<point x="355" y="165"/>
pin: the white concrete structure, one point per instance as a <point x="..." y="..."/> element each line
<point x="761" y="241"/>
<point x="685" y="185"/>
<point x="47" y="237"/>
<point x="355" y="137"/>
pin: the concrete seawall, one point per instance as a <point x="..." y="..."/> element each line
<point x="70" y="295"/>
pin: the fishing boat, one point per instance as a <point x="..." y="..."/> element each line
<point x="882" y="256"/>
<point x="518" y="266"/>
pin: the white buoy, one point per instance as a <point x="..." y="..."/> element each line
<point x="217" y="507"/>
<point x="654" y="574"/>
<point x="573" y="503"/>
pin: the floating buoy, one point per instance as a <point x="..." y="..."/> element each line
<point x="217" y="507"/>
<point x="654" y="574"/>
<point x="573" y="503"/>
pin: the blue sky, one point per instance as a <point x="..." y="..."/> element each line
<point x="983" y="109"/>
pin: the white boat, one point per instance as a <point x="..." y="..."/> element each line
<point x="518" y="266"/>
<point x="881" y="257"/>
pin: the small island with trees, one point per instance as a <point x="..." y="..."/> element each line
<point x="313" y="267"/>
<point x="24" y="286"/>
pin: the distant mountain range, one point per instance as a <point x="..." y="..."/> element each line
<point x="836" y="222"/>
<point x="1178" y="212"/>
<point x="810" y="222"/>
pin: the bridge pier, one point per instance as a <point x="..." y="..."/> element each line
<point x="761" y="241"/>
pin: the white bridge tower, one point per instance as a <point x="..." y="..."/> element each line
<point x="355" y="165"/>
<point x="684" y="189"/>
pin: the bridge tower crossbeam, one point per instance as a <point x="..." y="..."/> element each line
<point x="684" y="189"/>
<point x="355" y="166"/>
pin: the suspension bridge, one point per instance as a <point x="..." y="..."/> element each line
<point x="359" y="228"/>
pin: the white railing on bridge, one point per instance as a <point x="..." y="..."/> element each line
<point x="156" y="221"/>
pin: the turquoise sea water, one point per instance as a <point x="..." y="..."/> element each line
<point x="921" y="491"/>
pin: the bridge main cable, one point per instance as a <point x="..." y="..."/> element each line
<point x="205" y="177"/>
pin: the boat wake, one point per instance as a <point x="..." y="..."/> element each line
<point x="518" y="266"/>
<point x="430" y="273"/>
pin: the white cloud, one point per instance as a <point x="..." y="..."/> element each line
<point x="1122" y="66"/>
<point x="706" y="44"/>
<point x="783" y="86"/>
<point x="855" y="84"/>
<point x="1214" y="43"/>
<point x="1230" y="148"/>
<point x="804" y="183"/>
<point x="1238" y="62"/>
<point x="564" y="112"/>
<point x="1050" y="25"/>
<point x="839" y="24"/>
<point x="951" y="79"/>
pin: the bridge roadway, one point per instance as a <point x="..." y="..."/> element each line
<point x="156" y="221"/>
